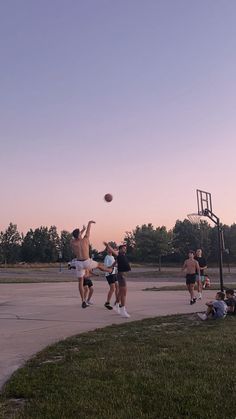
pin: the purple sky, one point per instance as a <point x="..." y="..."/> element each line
<point x="136" y="98"/>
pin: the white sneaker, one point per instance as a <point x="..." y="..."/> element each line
<point x="116" y="307"/>
<point x="89" y="303"/>
<point x="199" y="297"/>
<point x="123" y="312"/>
<point x="202" y="316"/>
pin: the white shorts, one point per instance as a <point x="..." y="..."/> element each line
<point x="81" y="266"/>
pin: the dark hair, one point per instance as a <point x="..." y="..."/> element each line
<point x="221" y="295"/>
<point x="121" y="246"/>
<point x="191" y="251"/>
<point x="75" y="233"/>
<point x="229" y="291"/>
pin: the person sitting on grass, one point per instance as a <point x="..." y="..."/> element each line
<point x="206" y="282"/>
<point x="216" y="309"/>
<point x="230" y="301"/>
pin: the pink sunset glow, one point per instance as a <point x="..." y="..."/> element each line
<point x="131" y="98"/>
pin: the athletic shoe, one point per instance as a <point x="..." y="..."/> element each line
<point x="123" y="312"/>
<point x="199" y="297"/>
<point x="193" y="301"/>
<point x="108" y="306"/>
<point x="84" y="304"/>
<point x="89" y="303"/>
<point x="116" y="307"/>
<point x="202" y="316"/>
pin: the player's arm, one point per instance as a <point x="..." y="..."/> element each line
<point x="87" y="234"/>
<point x="114" y="252"/>
<point x="197" y="268"/>
<point x="82" y="231"/>
<point x="184" y="265"/>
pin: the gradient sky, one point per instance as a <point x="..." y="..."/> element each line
<point x="132" y="97"/>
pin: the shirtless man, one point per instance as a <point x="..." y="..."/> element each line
<point x="191" y="266"/>
<point x="80" y="247"/>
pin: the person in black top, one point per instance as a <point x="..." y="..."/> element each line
<point x="203" y="265"/>
<point x="230" y="301"/>
<point x="123" y="267"/>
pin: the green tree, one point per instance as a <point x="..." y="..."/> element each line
<point x="41" y="245"/>
<point x="148" y="244"/>
<point x="186" y="236"/>
<point x="65" y="247"/>
<point x="10" y="244"/>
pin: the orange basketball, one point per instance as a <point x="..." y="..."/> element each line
<point x="108" y="197"/>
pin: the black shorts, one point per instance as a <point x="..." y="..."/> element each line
<point x="111" y="279"/>
<point x="121" y="277"/>
<point x="190" y="279"/>
<point x="88" y="282"/>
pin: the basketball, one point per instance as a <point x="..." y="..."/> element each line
<point x="108" y="197"/>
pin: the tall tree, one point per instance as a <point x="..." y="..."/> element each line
<point x="10" y="244"/>
<point x="147" y="243"/>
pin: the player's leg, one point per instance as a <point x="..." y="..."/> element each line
<point x="90" y="293"/>
<point x="110" y="292"/>
<point x="81" y="290"/>
<point x="86" y="292"/>
<point x="122" y="293"/>
<point x="103" y="268"/>
<point x="199" y="287"/>
<point x="91" y="264"/>
<point x="117" y="292"/>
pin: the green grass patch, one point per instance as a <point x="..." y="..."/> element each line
<point x="183" y="287"/>
<point x="166" y="367"/>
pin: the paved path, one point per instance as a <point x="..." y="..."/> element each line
<point x="33" y="316"/>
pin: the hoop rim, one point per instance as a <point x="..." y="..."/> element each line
<point x="194" y="218"/>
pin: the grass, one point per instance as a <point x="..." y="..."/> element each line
<point x="167" y="367"/>
<point x="183" y="288"/>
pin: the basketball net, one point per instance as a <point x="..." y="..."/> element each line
<point x="195" y="219"/>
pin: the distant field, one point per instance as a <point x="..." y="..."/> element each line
<point x="52" y="273"/>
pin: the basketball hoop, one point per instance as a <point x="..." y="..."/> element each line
<point x="195" y="219"/>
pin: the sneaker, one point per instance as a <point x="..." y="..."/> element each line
<point x="89" y="303"/>
<point x="84" y="304"/>
<point x="116" y="307"/>
<point x="199" y="297"/>
<point x="123" y="312"/>
<point x="108" y="306"/>
<point x="202" y="316"/>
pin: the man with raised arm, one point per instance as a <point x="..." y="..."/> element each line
<point x="80" y="247"/>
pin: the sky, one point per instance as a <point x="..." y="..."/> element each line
<point x="131" y="97"/>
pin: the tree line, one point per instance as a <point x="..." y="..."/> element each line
<point x="145" y="243"/>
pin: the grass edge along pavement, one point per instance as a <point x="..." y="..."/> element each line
<point x="164" y="367"/>
<point x="215" y="287"/>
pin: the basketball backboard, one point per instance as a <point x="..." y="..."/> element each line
<point x="204" y="202"/>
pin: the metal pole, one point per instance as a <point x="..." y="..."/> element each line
<point x="220" y="255"/>
<point x="159" y="263"/>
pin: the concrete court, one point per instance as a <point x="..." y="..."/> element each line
<point x="33" y="316"/>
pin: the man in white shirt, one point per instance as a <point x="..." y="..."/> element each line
<point x="111" y="278"/>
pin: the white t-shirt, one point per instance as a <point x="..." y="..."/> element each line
<point x="108" y="261"/>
